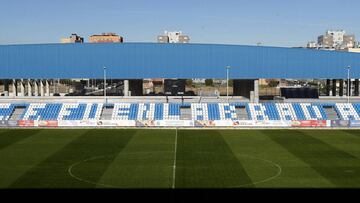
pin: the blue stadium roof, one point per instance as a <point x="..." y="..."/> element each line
<point x="155" y="60"/>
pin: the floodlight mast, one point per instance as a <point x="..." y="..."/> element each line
<point x="227" y="83"/>
<point x="348" y="84"/>
<point x="105" y="99"/>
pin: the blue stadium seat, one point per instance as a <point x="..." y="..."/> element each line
<point x="172" y="111"/>
<point x="6" y="110"/>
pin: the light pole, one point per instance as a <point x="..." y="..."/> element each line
<point x="105" y="85"/>
<point x="348" y="83"/>
<point x="227" y="83"/>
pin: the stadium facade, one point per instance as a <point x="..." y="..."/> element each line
<point x="133" y="62"/>
<point x="155" y="60"/>
<point x="136" y="61"/>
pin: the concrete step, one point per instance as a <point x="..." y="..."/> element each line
<point x="16" y="114"/>
<point x="185" y="114"/>
<point x="106" y="113"/>
<point x="242" y="114"/>
<point x="331" y="113"/>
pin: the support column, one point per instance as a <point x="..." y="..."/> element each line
<point x="41" y="88"/>
<point x="334" y="87"/>
<point x="126" y="88"/>
<point x="58" y="86"/>
<point x="348" y="87"/>
<point x="22" y="88"/>
<point x="6" y="87"/>
<point x="36" y="87"/>
<point x="14" y="88"/>
<point x="356" y="90"/>
<point x="327" y="87"/>
<point x="29" y="88"/>
<point x="47" y="88"/>
<point x="256" y="91"/>
<point x="341" y="88"/>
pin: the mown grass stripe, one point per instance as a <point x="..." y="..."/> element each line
<point x="353" y="132"/>
<point x="262" y="159"/>
<point x="339" y="167"/>
<point x="204" y="160"/>
<point x="9" y="137"/>
<point x="3" y="130"/>
<point x="345" y="140"/>
<point x="174" y="165"/>
<point x="20" y="157"/>
<point x="145" y="162"/>
<point x="53" y="172"/>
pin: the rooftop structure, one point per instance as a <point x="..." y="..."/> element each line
<point x="173" y="37"/>
<point x="334" y="40"/>
<point x="74" y="38"/>
<point x="106" y="38"/>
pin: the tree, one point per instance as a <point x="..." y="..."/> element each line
<point x="209" y="82"/>
<point x="189" y="82"/>
<point x="273" y="83"/>
<point x="231" y="83"/>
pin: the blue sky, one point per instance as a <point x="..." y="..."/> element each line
<point x="272" y="22"/>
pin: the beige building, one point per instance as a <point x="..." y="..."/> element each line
<point x="106" y="38"/>
<point x="336" y="39"/>
<point x="325" y="41"/>
<point x="74" y="38"/>
<point x="162" y="39"/>
<point x="349" y="41"/>
<point x="355" y="50"/>
<point x="266" y="82"/>
<point x="184" y="39"/>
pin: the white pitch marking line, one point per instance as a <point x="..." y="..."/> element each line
<point x="174" y="165"/>
<point x="83" y="180"/>
<point x="70" y="172"/>
<point x="267" y="179"/>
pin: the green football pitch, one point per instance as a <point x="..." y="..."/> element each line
<point x="179" y="158"/>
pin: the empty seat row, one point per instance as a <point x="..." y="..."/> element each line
<point x="286" y="111"/>
<point x="6" y="109"/>
<point x="62" y="111"/>
<point x="346" y="111"/>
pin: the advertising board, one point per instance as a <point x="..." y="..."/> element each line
<point x="67" y="123"/>
<point x="87" y="123"/>
<point x="174" y="123"/>
<point x="26" y="123"/>
<point x="309" y="123"/>
<point x="148" y="123"/>
<point x="204" y="123"/>
<point x="114" y="123"/>
<point x="273" y="123"/>
<point x="243" y="123"/>
<point x="339" y="123"/>
<point x="48" y="123"/>
<point x="354" y="123"/>
<point x="6" y="123"/>
<point x="82" y="123"/>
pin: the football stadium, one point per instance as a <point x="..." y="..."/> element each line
<point x="133" y="139"/>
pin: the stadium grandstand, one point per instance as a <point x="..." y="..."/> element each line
<point x="89" y="113"/>
<point x="33" y="67"/>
